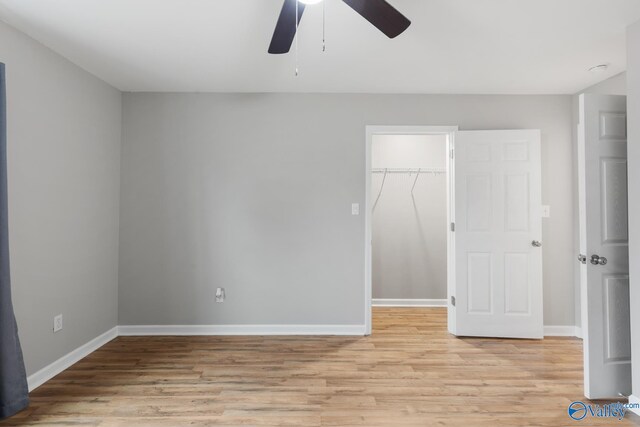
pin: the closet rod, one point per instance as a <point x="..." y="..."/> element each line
<point x="410" y="171"/>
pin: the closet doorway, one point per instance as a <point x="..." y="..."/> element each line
<point x="494" y="240"/>
<point x="409" y="190"/>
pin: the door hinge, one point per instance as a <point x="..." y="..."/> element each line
<point x="453" y="226"/>
<point x="451" y="153"/>
<point x="453" y="301"/>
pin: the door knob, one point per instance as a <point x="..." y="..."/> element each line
<point x="582" y="258"/>
<point x="536" y="244"/>
<point x="598" y="260"/>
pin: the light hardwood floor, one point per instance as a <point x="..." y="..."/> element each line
<point x="411" y="372"/>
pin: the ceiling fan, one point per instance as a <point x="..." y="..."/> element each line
<point x="381" y="14"/>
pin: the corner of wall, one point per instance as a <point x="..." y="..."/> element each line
<point x="69" y="133"/>
<point x="633" y="115"/>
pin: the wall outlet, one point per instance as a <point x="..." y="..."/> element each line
<point x="220" y="295"/>
<point x="546" y="211"/>
<point x="355" y="209"/>
<point x="57" y="323"/>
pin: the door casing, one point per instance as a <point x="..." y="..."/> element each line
<point x="449" y="132"/>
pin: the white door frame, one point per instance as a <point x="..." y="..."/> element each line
<point x="449" y="132"/>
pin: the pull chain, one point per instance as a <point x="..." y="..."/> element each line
<point x="324" y="46"/>
<point x="296" y="46"/>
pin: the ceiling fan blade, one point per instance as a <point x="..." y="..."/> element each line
<point x="382" y="15"/>
<point x="286" y="27"/>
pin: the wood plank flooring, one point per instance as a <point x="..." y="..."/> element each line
<point x="410" y="372"/>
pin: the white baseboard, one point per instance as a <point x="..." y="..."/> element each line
<point x="390" y="302"/>
<point x="562" y="331"/>
<point x="634" y="399"/>
<point x="145" y="330"/>
<point x="45" y="374"/>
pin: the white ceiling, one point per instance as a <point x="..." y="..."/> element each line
<point x="452" y="46"/>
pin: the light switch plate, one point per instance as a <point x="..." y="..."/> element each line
<point x="355" y="209"/>
<point x="546" y="211"/>
<point x="220" y="295"/>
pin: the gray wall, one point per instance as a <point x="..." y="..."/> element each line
<point x="633" y="100"/>
<point x="64" y="154"/>
<point x="616" y="85"/>
<point x="409" y="247"/>
<point x="253" y="192"/>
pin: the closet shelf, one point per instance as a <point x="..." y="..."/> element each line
<point x="409" y="171"/>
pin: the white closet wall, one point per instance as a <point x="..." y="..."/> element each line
<point x="409" y="228"/>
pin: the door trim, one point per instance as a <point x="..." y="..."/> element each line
<point x="449" y="132"/>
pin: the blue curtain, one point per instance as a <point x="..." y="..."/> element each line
<point x="14" y="393"/>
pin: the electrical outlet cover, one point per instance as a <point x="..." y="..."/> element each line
<point x="57" y="323"/>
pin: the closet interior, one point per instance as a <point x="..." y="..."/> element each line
<point x="409" y="240"/>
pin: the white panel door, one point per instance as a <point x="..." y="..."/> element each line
<point x="497" y="238"/>
<point x="602" y="154"/>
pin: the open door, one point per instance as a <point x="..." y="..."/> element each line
<point x="604" y="246"/>
<point x="497" y="290"/>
